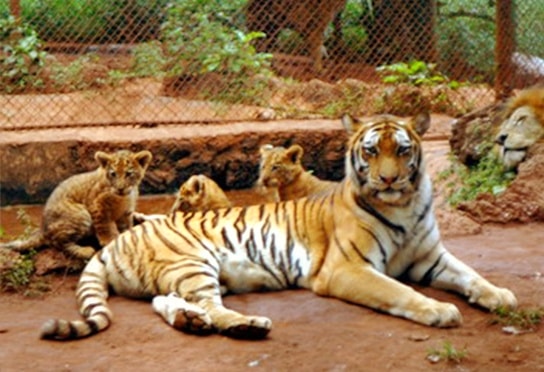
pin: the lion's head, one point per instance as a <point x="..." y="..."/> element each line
<point x="522" y="127"/>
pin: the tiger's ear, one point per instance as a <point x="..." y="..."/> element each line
<point x="421" y="123"/>
<point x="143" y="158"/>
<point x="102" y="158"/>
<point x="351" y="124"/>
<point x="294" y="153"/>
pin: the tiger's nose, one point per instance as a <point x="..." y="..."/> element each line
<point x="501" y="138"/>
<point x="388" y="180"/>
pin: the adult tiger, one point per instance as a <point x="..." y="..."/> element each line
<point x="350" y="243"/>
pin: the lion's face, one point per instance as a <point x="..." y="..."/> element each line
<point x="519" y="131"/>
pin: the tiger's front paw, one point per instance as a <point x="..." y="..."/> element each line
<point x="443" y="315"/>
<point x="491" y="297"/>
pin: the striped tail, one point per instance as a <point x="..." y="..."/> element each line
<point x="92" y="295"/>
<point x="34" y="241"/>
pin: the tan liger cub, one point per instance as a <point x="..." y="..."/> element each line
<point x="281" y="169"/>
<point x="200" y="193"/>
<point x="100" y="203"/>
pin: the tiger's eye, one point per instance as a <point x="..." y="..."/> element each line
<point x="403" y="150"/>
<point x="371" y="150"/>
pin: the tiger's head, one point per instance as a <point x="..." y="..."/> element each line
<point x="279" y="166"/>
<point x="124" y="170"/>
<point x="522" y="126"/>
<point x="199" y="193"/>
<point x="384" y="157"/>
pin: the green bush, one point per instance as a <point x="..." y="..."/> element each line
<point x="413" y="72"/>
<point x="487" y="176"/>
<point x="200" y="37"/>
<point x="21" y="57"/>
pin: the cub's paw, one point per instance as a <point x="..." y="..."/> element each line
<point x="439" y="314"/>
<point x="182" y="315"/>
<point x="491" y="297"/>
<point x="249" y="327"/>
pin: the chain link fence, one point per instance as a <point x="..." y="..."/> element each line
<point x="125" y="62"/>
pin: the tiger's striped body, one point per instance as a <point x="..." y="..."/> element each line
<point x="349" y="243"/>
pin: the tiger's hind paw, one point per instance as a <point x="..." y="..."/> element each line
<point x="250" y="328"/>
<point x="182" y="315"/>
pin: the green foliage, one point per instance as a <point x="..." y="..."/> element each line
<point x="200" y="37"/>
<point x="21" y="56"/>
<point x="148" y="60"/>
<point x="17" y="274"/>
<point x="488" y="176"/>
<point x="413" y="72"/>
<point x="448" y="353"/>
<point x="466" y="34"/>
<point x="96" y="21"/>
<point x="525" y="319"/>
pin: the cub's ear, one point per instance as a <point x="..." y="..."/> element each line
<point x="196" y="183"/>
<point x="421" y="123"/>
<point x="265" y="148"/>
<point x="102" y="158"/>
<point x="294" y="153"/>
<point x="143" y="158"/>
<point x="351" y="124"/>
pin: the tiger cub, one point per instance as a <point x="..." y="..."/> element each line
<point x="198" y="193"/>
<point x="100" y="203"/>
<point x="350" y="243"/>
<point x="281" y="170"/>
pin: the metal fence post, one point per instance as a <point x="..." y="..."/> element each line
<point x="504" y="48"/>
<point x="15" y="8"/>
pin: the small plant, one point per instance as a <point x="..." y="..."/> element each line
<point x="488" y="176"/>
<point x="25" y="220"/>
<point x="448" y="353"/>
<point x="21" y="56"/>
<point x="414" y="72"/>
<point x="16" y="275"/>
<point x="522" y="319"/>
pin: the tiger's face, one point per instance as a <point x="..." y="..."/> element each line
<point x="124" y="170"/>
<point x="385" y="157"/>
<point x="280" y="166"/>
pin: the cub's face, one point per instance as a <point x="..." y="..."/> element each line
<point x="124" y="170"/>
<point x="516" y="134"/>
<point x="280" y="166"/>
<point x="199" y="193"/>
<point x="385" y="158"/>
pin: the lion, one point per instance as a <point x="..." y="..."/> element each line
<point x="522" y="127"/>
